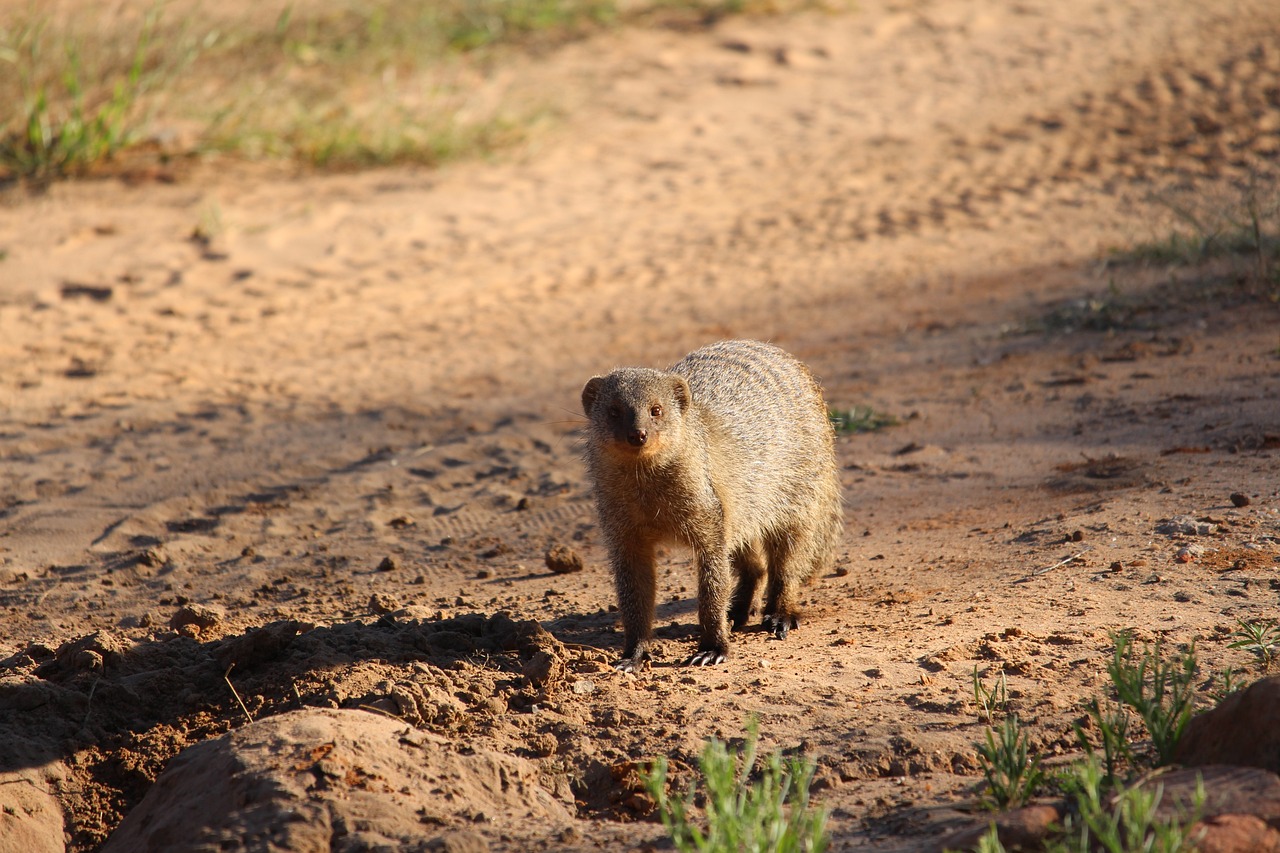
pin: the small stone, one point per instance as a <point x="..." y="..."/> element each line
<point x="388" y="564"/>
<point x="1077" y="536"/>
<point x="202" y="616"/>
<point x="563" y="560"/>
<point x="1240" y="499"/>
<point x="583" y="687"/>
<point x="543" y="668"/>
<point x="87" y="660"/>
<point x="381" y="603"/>
<point x="1184" y="555"/>
<point x="1185" y="525"/>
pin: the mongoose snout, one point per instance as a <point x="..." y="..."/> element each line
<point x="730" y="451"/>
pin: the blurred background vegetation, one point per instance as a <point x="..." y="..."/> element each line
<point x="90" y="87"/>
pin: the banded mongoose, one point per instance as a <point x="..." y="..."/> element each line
<point x="731" y="452"/>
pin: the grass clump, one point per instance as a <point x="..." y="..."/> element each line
<point x="1160" y="691"/>
<point x="1127" y="822"/>
<point x="1260" y="638"/>
<point x="76" y="107"/>
<point x="1113" y="805"/>
<point x="858" y="419"/>
<point x="746" y="811"/>
<point x="1012" y="775"/>
<point x="990" y="701"/>
<point x="1241" y="218"/>
<point x="334" y="84"/>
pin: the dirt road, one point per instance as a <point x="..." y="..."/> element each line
<point x="245" y="466"/>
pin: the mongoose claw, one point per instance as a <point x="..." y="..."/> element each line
<point x="706" y="657"/>
<point x="632" y="663"/>
<point x="779" y="626"/>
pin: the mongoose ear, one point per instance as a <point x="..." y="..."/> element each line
<point x="591" y="392"/>
<point x="680" y="391"/>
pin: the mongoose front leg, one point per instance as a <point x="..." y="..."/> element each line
<point x="635" y="579"/>
<point x="713" y="606"/>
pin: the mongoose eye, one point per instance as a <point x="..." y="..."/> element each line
<point x="615" y="412"/>
<point x="655" y="411"/>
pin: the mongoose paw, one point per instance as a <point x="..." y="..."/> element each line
<point x="779" y="626"/>
<point x="706" y="657"/>
<point x="632" y="662"/>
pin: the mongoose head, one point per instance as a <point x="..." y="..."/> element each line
<point x="635" y="412"/>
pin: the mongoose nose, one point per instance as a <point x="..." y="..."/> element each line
<point x="637" y="437"/>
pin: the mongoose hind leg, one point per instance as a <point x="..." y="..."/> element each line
<point x="749" y="564"/>
<point x="792" y="558"/>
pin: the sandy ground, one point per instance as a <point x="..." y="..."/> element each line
<point x="316" y="456"/>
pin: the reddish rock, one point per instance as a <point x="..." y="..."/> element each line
<point x="1026" y="828"/>
<point x="1235" y="833"/>
<point x="1242" y="730"/>
<point x="1229" y="791"/>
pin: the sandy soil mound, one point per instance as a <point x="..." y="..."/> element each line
<point x="329" y="780"/>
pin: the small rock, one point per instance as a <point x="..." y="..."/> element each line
<point x="1240" y="499"/>
<point x="382" y="603"/>
<point x="563" y="560"/>
<point x="202" y="616"/>
<point x="87" y="660"/>
<point x="543" y="669"/>
<point x="1184" y="555"/>
<point x="1023" y="829"/>
<point x="388" y="564"/>
<point x="1185" y="525"/>
<point x="583" y="686"/>
<point x="1234" y="833"/>
<point x="153" y="558"/>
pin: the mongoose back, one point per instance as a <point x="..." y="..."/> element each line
<point x="731" y="452"/>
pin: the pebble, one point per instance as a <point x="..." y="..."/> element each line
<point x="563" y="560"/>
<point x="1240" y="499"/>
